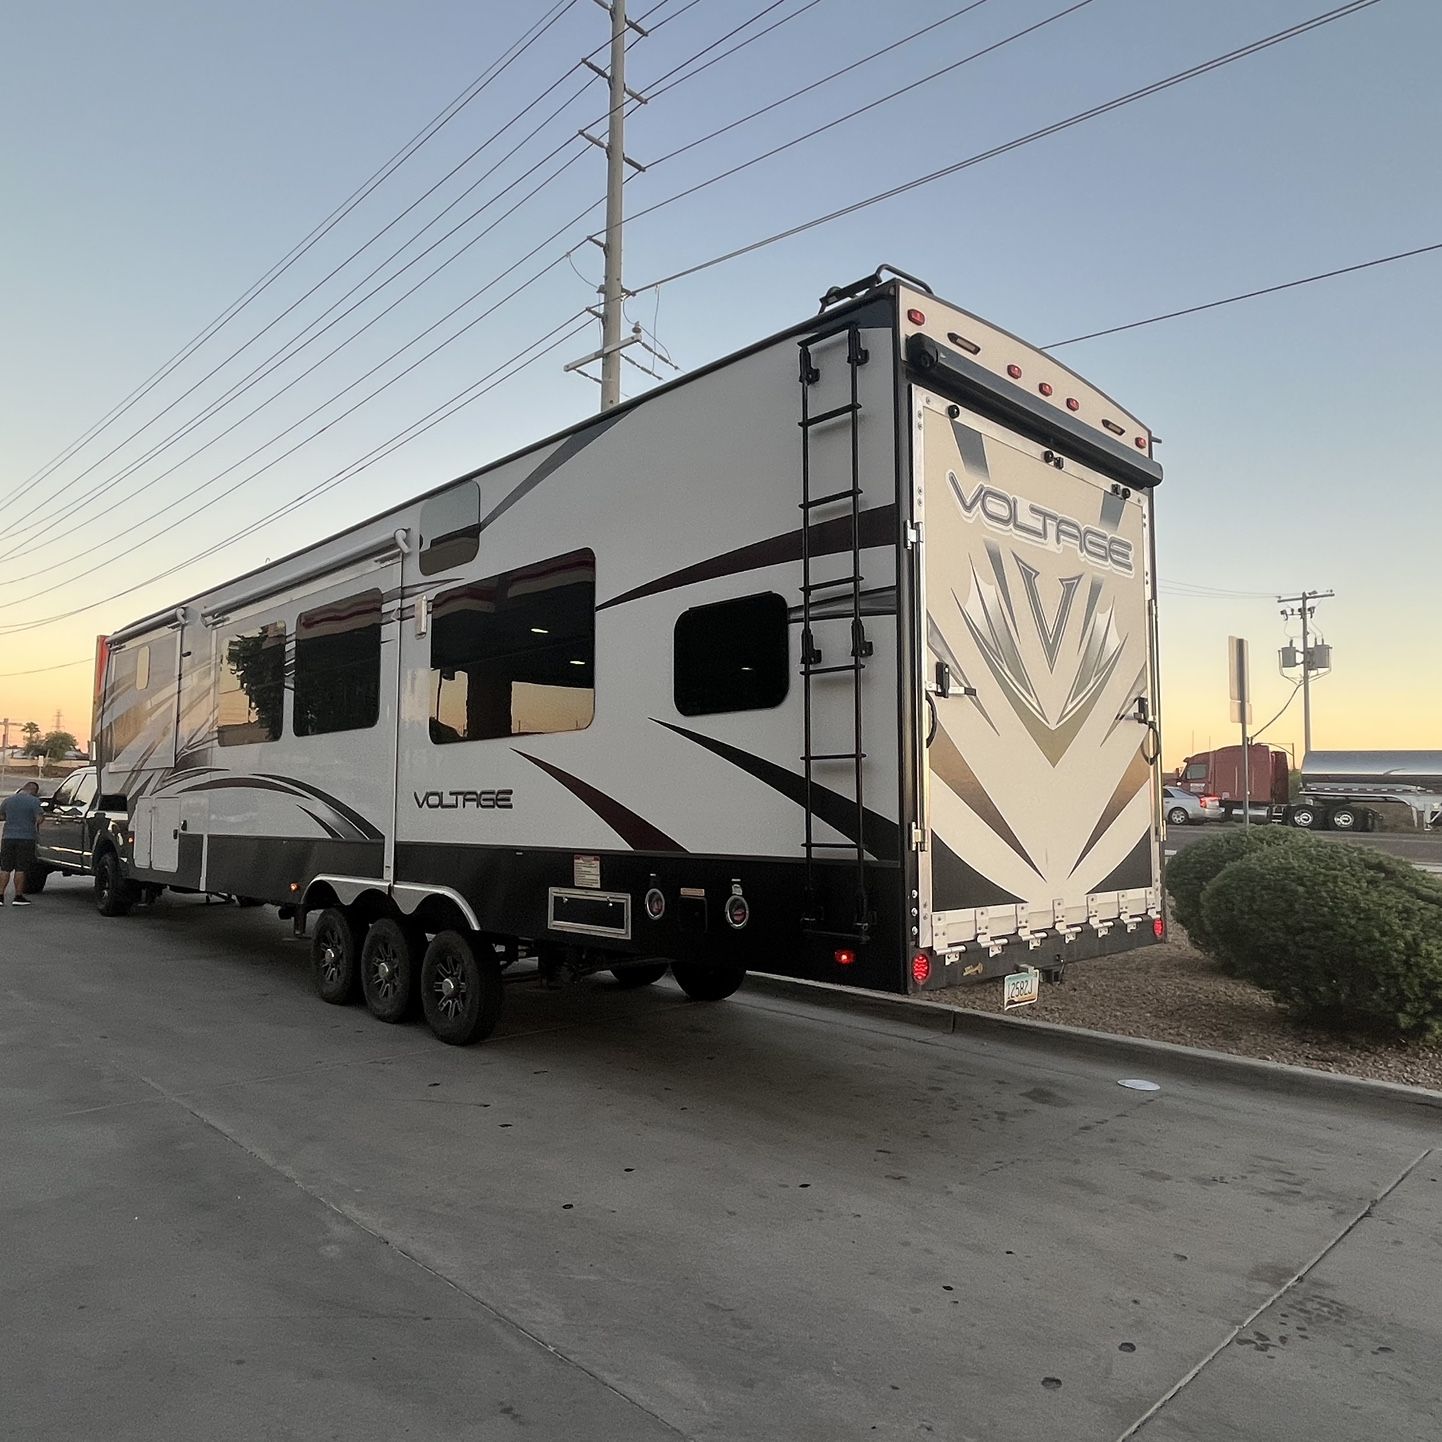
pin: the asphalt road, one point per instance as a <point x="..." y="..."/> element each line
<point x="1423" y="847"/>
<point x="230" y="1211"/>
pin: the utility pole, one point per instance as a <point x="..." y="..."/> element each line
<point x="613" y="292"/>
<point x="4" y="744"/>
<point x="1301" y="605"/>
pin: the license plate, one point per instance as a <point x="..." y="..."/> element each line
<point x="1021" y="988"/>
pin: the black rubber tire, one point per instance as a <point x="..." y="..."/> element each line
<point x="1177" y="816"/>
<point x="114" y="895"/>
<point x="335" y="947"/>
<point x="1305" y="818"/>
<point x="646" y="974"/>
<point x="35" y="880"/>
<point x="702" y="982"/>
<point x="1345" y="818"/>
<point x="461" y="992"/>
<point x="390" y="964"/>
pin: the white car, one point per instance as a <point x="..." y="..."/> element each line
<point x="1184" y="809"/>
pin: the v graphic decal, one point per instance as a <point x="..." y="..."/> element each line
<point x="1051" y="632"/>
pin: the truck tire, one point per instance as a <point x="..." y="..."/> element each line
<point x="1345" y="818"/>
<point x="335" y="956"/>
<point x="35" y="880"/>
<point x="645" y="973"/>
<point x="114" y="895"/>
<point x="461" y="993"/>
<point x="1177" y="816"/>
<point x="703" y="981"/>
<point x="390" y="962"/>
<point x="1306" y="817"/>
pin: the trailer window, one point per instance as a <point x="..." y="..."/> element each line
<point x="450" y="529"/>
<point x="252" y="687"/>
<point x="514" y="655"/>
<point x="733" y="656"/>
<point x="338" y="666"/>
<point x="126" y="709"/>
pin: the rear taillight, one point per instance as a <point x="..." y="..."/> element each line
<point x="921" y="968"/>
<point x="1159" y="928"/>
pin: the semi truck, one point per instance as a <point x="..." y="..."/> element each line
<point x="1337" y="790"/>
<point x="835" y="659"/>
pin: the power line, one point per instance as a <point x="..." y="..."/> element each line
<point x="473" y="392"/>
<point x="834" y="75"/>
<point x="1249" y="295"/>
<point x="41" y="670"/>
<point x="50" y="518"/>
<point x="279" y="356"/>
<point x="443" y="117"/>
<point x="851" y="114"/>
<point x="1092" y="113"/>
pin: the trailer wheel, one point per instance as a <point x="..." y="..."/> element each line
<point x="708" y="982"/>
<point x="1345" y="818"/>
<point x="335" y="956"/>
<point x="390" y="962"/>
<point x="1305" y="817"/>
<point x="647" y="974"/>
<point x="461" y="993"/>
<point x="114" y="895"/>
<point x="1177" y="816"/>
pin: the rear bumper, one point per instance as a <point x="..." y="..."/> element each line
<point x="975" y="963"/>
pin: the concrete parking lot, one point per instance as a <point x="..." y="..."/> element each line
<point x="230" y="1211"/>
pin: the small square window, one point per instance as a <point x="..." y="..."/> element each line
<point x="252" y="687"/>
<point x="733" y="656"/>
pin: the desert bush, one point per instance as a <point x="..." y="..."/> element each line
<point x="1342" y="935"/>
<point x="1190" y="871"/>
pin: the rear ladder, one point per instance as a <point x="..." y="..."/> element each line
<point x="857" y="926"/>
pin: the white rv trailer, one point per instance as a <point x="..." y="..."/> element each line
<point x="835" y="659"/>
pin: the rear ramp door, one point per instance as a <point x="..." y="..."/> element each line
<point x="1038" y="795"/>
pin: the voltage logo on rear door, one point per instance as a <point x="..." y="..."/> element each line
<point x="1017" y="517"/>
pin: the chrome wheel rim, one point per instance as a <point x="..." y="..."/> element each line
<point x="385" y="971"/>
<point x="451" y="989"/>
<point x="329" y="962"/>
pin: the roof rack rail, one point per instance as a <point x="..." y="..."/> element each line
<point x="870" y="282"/>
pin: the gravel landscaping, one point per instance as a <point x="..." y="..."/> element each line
<point x="1171" y="992"/>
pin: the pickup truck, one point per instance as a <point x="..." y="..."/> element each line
<point x="76" y="831"/>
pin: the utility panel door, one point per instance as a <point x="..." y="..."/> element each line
<point x="1039" y="797"/>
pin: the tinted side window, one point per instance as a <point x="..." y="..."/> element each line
<point x="514" y="655"/>
<point x="252" y="686"/>
<point x="127" y="709"/>
<point x="87" y="785"/>
<point x="733" y="656"/>
<point x="338" y="666"/>
<point x="65" y="792"/>
<point x="450" y="529"/>
<point x="1197" y="771"/>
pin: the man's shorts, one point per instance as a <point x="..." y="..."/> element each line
<point x="17" y="855"/>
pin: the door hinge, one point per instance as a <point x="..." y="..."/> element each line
<point x="914" y="533"/>
<point x="918" y="837"/>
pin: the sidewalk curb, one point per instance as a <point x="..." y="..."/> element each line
<point x="1219" y="1066"/>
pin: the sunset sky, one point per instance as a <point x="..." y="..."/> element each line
<point x="165" y="155"/>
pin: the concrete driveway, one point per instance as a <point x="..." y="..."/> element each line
<point x="230" y="1211"/>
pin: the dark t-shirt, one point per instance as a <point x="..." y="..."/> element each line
<point x="21" y="812"/>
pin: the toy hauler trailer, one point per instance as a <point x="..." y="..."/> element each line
<point x="1340" y="788"/>
<point x="835" y="659"/>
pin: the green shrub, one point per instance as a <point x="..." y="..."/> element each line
<point x="1190" y="871"/>
<point x="1339" y="934"/>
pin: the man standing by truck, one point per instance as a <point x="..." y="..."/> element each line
<point x="21" y="816"/>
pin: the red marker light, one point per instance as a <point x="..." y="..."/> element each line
<point x="1014" y="371"/>
<point x="1141" y="443"/>
<point x="845" y="958"/>
<point x="1159" y="928"/>
<point x="1045" y="388"/>
<point x="1072" y="405"/>
<point x="916" y="317"/>
<point x="921" y="968"/>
